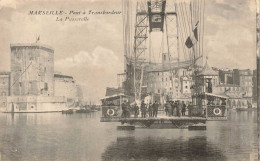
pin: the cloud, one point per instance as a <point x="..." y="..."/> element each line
<point x="100" y="58"/>
<point x="8" y="4"/>
<point x="94" y="70"/>
<point x="229" y="38"/>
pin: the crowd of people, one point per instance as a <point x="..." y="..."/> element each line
<point x="177" y="108"/>
<point x="172" y="108"/>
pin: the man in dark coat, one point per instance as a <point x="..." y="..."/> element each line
<point x="167" y="107"/>
<point x="136" y="110"/>
<point x="124" y="106"/>
<point x="143" y="109"/>
<point x="155" y="108"/>
<point x="223" y="106"/>
<point x="150" y="109"/>
<point x="179" y="107"/>
<point x="190" y="109"/>
<point x="183" y="110"/>
<point x="127" y="109"/>
<point x="171" y="108"/>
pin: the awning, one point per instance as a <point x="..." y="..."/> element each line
<point x="213" y="95"/>
<point x="114" y="96"/>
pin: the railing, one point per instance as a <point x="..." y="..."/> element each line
<point x="216" y="111"/>
<point x="111" y="111"/>
<point x="208" y="111"/>
<point x="211" y="112"/>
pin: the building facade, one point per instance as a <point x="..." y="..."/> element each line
<point x="4" y="89"/>
<point x="226" y="76"/>
<point x="173" y="84"/>
<point x="32" y="70"/>
<point x="244" y="78"/>
<point x="32" y="79"/>
<point x="65" y="86"/>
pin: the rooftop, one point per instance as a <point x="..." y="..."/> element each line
<point x="40" y="45"/>
<point x="207" y="70"/>
<point x="227" y="85"/>
<point x="62" y="76"/>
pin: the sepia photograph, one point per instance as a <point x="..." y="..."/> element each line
<point x="129" y="80"/>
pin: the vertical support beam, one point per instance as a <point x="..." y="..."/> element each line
<point x="206" y="106"/>
<point x="172" y="36"/>
<point x="140" y="45"/>
<point x="120" y="103"/>
<point x="258" y="68"/>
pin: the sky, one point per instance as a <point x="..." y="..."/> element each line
<point x="92" y="51"/>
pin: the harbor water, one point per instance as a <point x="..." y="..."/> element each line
<point x="81" y="136"/>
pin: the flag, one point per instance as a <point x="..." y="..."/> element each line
<point x="189" y="43"/>
<point x="195" y="31"/>
<point x="191" y="40"/>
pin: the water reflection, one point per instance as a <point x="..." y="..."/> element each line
<point x="54" y="136"/>
<point x="130" y="148"/>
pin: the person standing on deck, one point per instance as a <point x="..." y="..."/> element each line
<point x="171" y="109"/>
<point x="223" y="106"/>
<point x="136" y="110"/>
<point x="143" y="109"/>
<point x="179" y="107"/>
<point x="175" y="108"/>
<point x="127" y="110"/>
<point x="167" y="107"/>
<point x="183" y="110"/>
<point x="155" y="108"/>
<point x="150" y="110"/>
<point x="190" y="109"/>
<point x="124" y="109"/>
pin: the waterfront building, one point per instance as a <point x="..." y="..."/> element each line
<point x="244" y="78"/>
<point x="171" y="83"/>
<point x="32" y="70"/>
<point x="4" y="89"/>
<point x="226" y="76"/>
<point x="235" y="95"/>
<point x="32" y="79"/>
<point x="66" y="86"/>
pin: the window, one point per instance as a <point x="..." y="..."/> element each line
<point x="44" y="69"/>
<point x="186" y="87"/>
<point x="164" y="57"/>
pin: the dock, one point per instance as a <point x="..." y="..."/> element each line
<point x="157" y="122"/>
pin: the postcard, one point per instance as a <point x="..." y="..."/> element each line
<point x="125" y="80"/>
